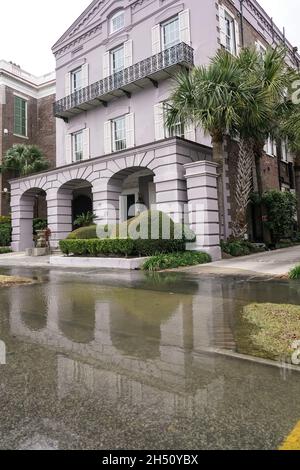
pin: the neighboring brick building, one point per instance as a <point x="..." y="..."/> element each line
<point x="26" y="116"/>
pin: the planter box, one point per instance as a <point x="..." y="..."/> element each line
<point x="105" y="263"/>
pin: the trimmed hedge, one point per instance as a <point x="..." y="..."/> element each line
<point x="119" y="247"/>
<point x="4" y="251"/>
<point x="175" y="260"/>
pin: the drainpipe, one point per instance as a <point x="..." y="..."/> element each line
<point x="242" y="21"/>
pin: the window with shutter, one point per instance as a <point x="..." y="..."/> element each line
<point x="130" y="131"/>
<point x="118" y="134"/>
<point x="170" y="33"/>
<point x="76" y="80"/>
<point x="156" y="39"/>
<point x="159" y="126"/>
<point x="20" y="116"/>
<point x="106" y="65"/>
<point x="77" y="146"/>
<point x="86" y="144"/>
<point x="184" y="27"/>
<point x="128" y="60"/>
<point x="107" y="137"/>
<point x="68" y="148"/>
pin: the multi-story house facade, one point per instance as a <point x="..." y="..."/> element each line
<point x="114" y="73"/>
<point x="26" y="117"/>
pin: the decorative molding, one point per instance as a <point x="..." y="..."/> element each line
<point x="91" y="32"/>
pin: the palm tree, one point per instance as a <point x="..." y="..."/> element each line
<point x="24" y="160"/>
<point x="291" y="131"/>
<point x="206" y="97"/>
<point x="236" y="96"/>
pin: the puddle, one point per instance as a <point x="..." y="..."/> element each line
<point x="118" y="360"/>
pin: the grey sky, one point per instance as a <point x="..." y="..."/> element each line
<point x="29" y="28"/>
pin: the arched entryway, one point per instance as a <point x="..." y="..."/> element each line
<point x="74" y="198"/>
<point x="130" y="191"/>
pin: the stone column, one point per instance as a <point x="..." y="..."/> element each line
<point x="59" y="205"/>
<point x="106" y="201"/>
<point x="22" y="217"/>
<point x="170" y="185"/>
<point x="203" y="211"/>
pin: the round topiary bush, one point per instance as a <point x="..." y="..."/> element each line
<point x="149" y="225"/>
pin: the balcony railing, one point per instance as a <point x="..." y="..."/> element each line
<point x="150" y="70"/>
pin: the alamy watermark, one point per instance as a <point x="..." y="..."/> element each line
<point x="189" y="220"/>
<point x="2" y="353"/>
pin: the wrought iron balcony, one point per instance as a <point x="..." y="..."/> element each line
<point x="151" y="70"/>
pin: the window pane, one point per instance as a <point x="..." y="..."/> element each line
<point x="119" y="134"/>
<point x="76" y="78"/>
<point x="230" y="34"/>
<point x="177" y="129"/>
<point x="117" y="59"/>
<point x="77" y="146"/>
<point x="117" y="22"/>
<point x="170" y="32"/>
<point x="20" y="116"/>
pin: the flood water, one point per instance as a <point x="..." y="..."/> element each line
<point x="117" y="360"/>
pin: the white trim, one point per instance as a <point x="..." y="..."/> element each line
<point x="41" y="92"/>
<point x="21" y="136"/>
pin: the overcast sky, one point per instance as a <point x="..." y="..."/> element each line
<point x="30" y="27"/>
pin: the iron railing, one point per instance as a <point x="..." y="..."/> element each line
<point x="175" y="55"/>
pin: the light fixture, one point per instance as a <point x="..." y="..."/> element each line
<point x="5" y="131"/>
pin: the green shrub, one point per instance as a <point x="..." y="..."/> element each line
<point x="119" y="247"/>
<point x="295" y="272"/>
<point x="5" y="234"/>
<point x="85" y="219"/>
<point x="235" y="248"/>
<point x="5" y="219"/>
<point x="83" y="233"/>
<point x="3" y="250"/>
<point x="241" y="247"/>
<point x="39" y="224"/>
<point x="175" y="260"/>
<point x="281" y="211"/>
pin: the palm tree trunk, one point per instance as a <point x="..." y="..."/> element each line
<point x="243" y="188"/>
<point x="218" y="157"/>
<point x="297" y="186"/>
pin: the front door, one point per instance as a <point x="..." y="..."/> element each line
<point x="127" y="202"/>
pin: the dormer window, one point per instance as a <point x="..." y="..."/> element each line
<point x="117" y="22"/>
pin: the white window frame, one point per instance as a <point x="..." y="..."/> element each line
<point x="72" y="76"/>
<point x="112" y="57"/>
<point x="26" y="116"/>
<point x="231" y="40"/>
<point x="114" y="28"/>
<point x="179" y="126"/>
<point x="75" y="151"/>
<point x="261" y="48"/>
<point x="284" y="151"/>
<point x="271" y="147"/>
<point x="118" y="144"/>
<point x="162" y="29"/>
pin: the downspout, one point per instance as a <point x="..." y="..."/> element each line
<point x="242" y="21"/>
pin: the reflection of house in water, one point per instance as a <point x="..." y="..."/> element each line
<point x="113" y="341"/>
